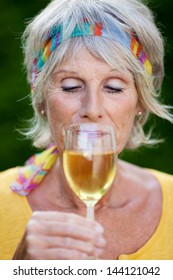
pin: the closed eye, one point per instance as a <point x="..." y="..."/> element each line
<point x="71" y="89"/>
<point x="114" y="89"/>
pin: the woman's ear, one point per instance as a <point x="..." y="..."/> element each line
<point x="140" y="110"/>
<point x="41" y="109"/>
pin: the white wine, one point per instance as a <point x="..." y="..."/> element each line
<point x="89" y="174"/>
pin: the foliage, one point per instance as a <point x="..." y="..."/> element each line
<point x="15" y="101"/>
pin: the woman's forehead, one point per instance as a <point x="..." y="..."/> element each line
<point x="83" y="60"/>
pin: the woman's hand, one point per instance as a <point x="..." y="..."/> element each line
<point x="60" y="236"/>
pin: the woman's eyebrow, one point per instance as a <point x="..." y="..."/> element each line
<point x="64" y="71"/>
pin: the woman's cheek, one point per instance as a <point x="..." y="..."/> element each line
<point x="60" y="114"/>
<point x="124" y="125"/>
<point x="58" y="136"/>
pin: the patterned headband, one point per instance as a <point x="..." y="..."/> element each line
<point x="55" y="37"/>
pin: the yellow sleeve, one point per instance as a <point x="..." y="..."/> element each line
<point x="160" y="245"/>
<point x="14" y="214"/>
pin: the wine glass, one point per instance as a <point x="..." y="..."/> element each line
<point x="89" y="161"/>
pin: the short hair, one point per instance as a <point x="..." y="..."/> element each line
<point x="132" y="16"/>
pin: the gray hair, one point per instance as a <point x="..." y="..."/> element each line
<point x="132" y="16"/>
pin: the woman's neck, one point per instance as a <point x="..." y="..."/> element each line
<point x="54" y="192"/>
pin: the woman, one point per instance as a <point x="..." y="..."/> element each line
<point x="90" y="61"/>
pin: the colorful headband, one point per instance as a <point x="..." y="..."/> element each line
<point x="55" y="38"/>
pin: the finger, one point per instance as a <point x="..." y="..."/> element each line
<point x="57" y="254"/>
<point x="68" y="217"/>
<point x="37" y="243"/>
<point x="65" y="254"/>
<point x="70" y="243"/>
<point x="62" y="229"/>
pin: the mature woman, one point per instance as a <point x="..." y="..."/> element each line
<point x="89" y="61"/>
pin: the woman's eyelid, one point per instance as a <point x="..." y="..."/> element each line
<point x="115" y="82"/>
<point x="114" y="87"/>
<point x="113" y="90"/>
<point x="71" y="82"/>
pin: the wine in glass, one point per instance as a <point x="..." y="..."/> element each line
<point x="89" y="161"/>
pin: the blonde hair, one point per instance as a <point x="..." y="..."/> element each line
<point x="132" y="16"/>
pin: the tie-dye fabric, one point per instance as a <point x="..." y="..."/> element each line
<point x="35" y="169"/>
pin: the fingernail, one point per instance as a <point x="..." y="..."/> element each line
<point x="101" y="241"/>
<point x="84" y="256"/>
<point x="98" y="252"/>
<point x="99" y="229"/>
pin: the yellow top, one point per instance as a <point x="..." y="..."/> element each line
<point x="15" y="213"/>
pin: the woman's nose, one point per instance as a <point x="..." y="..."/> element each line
<point x="92" y="107"/>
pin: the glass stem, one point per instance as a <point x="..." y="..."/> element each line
<point x="90" y="211"/>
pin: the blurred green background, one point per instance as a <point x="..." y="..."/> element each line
<point x="15" y="104"/>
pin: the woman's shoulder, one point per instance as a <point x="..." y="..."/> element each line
<point x="14" y="213"/>
<point x="143" y="173"/>
<point x="8" y="198"/>
<point x="163" y="176"/>
<point x="8" y="176"/>
<point x="147" y="181"/>
<point x="166" y="183"/>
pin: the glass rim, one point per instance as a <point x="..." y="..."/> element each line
<point x="91" y="126"/>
